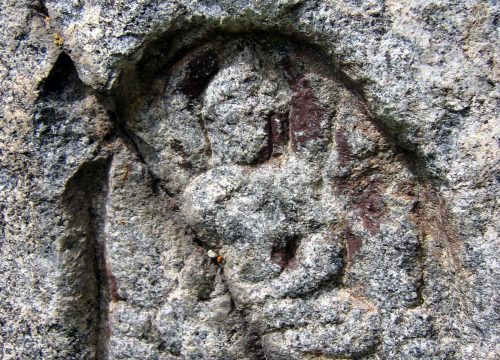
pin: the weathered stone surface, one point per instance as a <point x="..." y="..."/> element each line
<point x="286" y="179"/>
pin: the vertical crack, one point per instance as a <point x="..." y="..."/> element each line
<point x="206" y="134"/>
<point x="253" y="337"/>
<point x="137" y="146"/>
<point x="106" y="284"/>
<point x="252" y="344"/>
<point x="422" y="259"/>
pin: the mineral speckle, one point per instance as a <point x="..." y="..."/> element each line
<point x="249" y="180"/>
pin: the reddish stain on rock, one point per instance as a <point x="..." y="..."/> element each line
<point x="306" y="114"/>
<point x="285" y="256"/>
<point x="343" y="149"/>
<point x="108" y="279"/>
<point x="370" y="205"/>
<point x="365" y="195"/>
<point x="199" y="70"/>
<point x="279" y="130"/>
<point x="276" y="129"/>
<point x="353" y="245"/>
<point x="432" y="216"/>
<point x="112" y="286"/>
<point x="266" y="152"/>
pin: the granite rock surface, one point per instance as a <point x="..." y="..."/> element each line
<point x="291" y="179"/>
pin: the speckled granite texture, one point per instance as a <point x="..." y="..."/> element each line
<point x="289" y="179"/>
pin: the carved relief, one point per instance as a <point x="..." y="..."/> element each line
<point x="250" y="203"/>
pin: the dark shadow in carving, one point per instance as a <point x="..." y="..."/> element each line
<point x="62" y="79"/>
<point x="285" y="255"/>
<point x="306" y="114"/>
<point x="87" y="282"/>
<point x="84" y="285"/>
<point x="39" y="7"/>
<point x="200" y="70"/>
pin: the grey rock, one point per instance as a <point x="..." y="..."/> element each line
<point x="286" y="179"/>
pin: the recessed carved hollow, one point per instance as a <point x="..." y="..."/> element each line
<point x="261" y="141"/>
<point x="256" y="151"/>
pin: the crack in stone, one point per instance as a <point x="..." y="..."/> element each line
<point x="253" y="336"/>
<point x="129" y="138"/>
<point x="206" y="135"/>
<point x="104" y="278"/>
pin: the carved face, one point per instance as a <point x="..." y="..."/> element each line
<point x="270" y="160"/>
